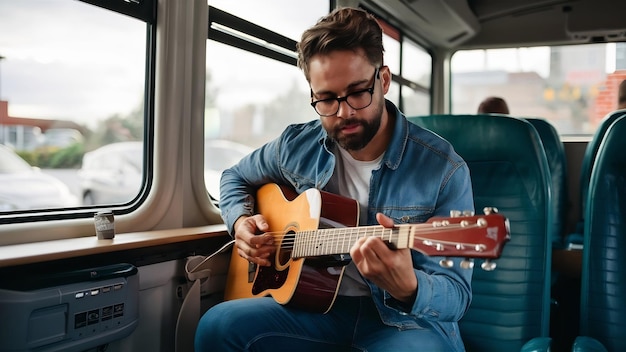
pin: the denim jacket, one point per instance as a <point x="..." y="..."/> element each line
<point x="421" y="176"/>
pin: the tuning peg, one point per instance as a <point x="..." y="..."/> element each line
<point x="468" y="213"/>
<point x="488" y="265"/>
<point x="479" y="247"/>
<point x="441" y="223"/>
<point x="438" y="246"/>
<point x="490" y="210"/>
<point x="446" y="263"/>
<point x="467" y="263"/>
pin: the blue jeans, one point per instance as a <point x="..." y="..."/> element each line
<point x="353" y="324"/>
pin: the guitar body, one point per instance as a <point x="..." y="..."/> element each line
<point x="310" y="284"/>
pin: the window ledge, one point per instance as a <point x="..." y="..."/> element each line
<point x="28" y="253"/>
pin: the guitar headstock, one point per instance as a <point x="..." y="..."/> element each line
<point x="463" y="235"/>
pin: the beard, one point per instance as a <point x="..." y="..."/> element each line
<point x="357" y="141"/>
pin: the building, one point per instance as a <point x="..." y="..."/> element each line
<point x="23" y="133"/>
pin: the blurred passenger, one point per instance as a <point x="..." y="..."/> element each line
<point x="493" y="105"/>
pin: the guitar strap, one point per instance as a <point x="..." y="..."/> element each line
<point x="198" y="272"/>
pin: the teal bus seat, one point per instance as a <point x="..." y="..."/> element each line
<point x="565" y="305"/>
<point x="586" y="167"/>
<point x="510" y="309"/>
<point x="603" y="288"/>
<point x="557" y="163"/>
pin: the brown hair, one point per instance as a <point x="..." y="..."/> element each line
<point x="493" y="105"/>
<point x="342" y="29"/>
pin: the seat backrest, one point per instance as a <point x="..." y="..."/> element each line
<point x="557" y="162"/>
<point x="591" y="151"/>
<point x="603" y="287"/>
<point x="509" y="171"/>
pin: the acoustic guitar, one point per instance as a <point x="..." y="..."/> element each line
<point x="314" y="230"/>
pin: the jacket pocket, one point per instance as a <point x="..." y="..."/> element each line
<point x="409" y="215"/>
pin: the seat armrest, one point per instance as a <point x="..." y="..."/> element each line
<point x="587" y="344"/>
<point x="538" y="344"/>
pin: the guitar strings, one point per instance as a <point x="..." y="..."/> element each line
<point x="326" y="241"/>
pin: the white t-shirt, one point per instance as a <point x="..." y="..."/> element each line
<point x="352" y="179"/>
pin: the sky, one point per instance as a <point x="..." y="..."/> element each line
<point x="49" y="56"/>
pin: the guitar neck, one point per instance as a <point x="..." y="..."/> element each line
<point x="470" y="237"/>
<point x="339" y="241"/>
<point x="475" y="236"/>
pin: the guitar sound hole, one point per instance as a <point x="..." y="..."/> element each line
<point x="284" y="251"/>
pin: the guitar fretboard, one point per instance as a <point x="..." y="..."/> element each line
<point x="339" y="241"/>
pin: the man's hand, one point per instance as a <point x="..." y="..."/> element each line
<point x="252" y="243"/>
<point x="389" y="269"/>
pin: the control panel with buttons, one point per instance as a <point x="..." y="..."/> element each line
<point x="71" y="311"/>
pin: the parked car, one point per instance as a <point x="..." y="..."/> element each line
<point x="62" y="137"/>
<point x="25" y="187"/>
<point x="112" y="174"/>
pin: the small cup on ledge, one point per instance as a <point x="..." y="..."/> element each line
<point x="105" y="225"/>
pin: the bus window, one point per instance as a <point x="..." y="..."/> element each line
<point x="250" y="96"/>
<point x="572" y="86"/>
<point x="417" y="67"/>
<point x="252" y="106"/>
<point x="392" y="53"/>
<point x="392" y="59"/>
<point x="75" y="73"/>
<point x="411" y="67"/>
<point x="295" y="16"/>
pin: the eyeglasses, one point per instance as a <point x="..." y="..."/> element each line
<point x="357" y="100"/>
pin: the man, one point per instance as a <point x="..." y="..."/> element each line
<point x="493" y="105"/>
<point x="363" y="148"/>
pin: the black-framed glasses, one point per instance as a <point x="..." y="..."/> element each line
<point x="357" y="100"/>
